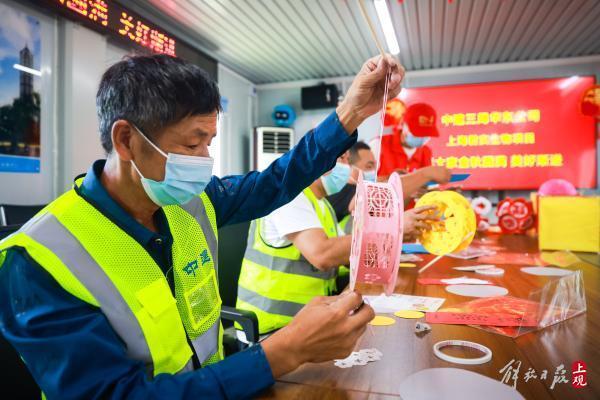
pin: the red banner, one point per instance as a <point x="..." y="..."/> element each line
<point x="513" y="135"/>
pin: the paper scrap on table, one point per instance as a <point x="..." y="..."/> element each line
<point x="490" y="271"/>
<point x="380" y="320"/>
<point x="389" y="304"/>
<point x="453" y="281"/>
<point x="470" y="253"/>
<point x="477" y="290"/>
<point x="421" y="327"/>
<point x="361" y="357"/>
<point x="474" y="318"/>
<point x="473" y="268"/>
<point x="453" y="178"/>
<point x="407" y="265"/>
<point x="410" y="258"/>
<point x="513" y="258"/>
<point x="409" y="314"/>
<point x="413" y="248"/>
<point x="457" y="384"/>
<point x="546" y="271"/>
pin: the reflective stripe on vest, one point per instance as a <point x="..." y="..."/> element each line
<point x="208" y="343"/>
<point x="67" y="239"/>
<point x="276" y="283"/>
<point x="296" y="267"/>
<point x="196" y="208"/>
<point x="281" y="307"/>
<point x="51" y="234"/>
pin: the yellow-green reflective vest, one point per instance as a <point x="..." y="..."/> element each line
<point x="346" y="224"/>
<point x="93" y="259"/>
<point x="276" y="282"/>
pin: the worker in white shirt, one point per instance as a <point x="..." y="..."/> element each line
<point x="293" y="254"/>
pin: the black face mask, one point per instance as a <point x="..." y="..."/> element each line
<point x="341" y="200"/>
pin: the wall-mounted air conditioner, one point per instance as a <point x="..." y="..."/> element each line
<point x="269" y="144"/>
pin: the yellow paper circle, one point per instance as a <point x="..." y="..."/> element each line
<point x="457" y="222"/>
<point x="410" y="314"/>
<point x="382" y="321"/>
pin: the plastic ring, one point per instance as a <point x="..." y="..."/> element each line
<point x="465" y="361"/>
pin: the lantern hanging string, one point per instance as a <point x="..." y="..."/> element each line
<point x="388" y="75"/>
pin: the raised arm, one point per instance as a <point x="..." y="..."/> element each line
<point x="256" y="194"/>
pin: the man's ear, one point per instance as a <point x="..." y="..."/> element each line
<point x="345" y="158"/>
<point x="122" y="135"/>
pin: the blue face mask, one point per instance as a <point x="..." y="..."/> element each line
<point x="185" y="178"/>
<point x="414" y="141"/>
<point x="337" y="179"/>
<point x="370" y="176"/>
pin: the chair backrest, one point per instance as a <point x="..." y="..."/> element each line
<point x="15" y="377"/>
<point x="7" y="230"/>
<point x="14" y="214"/>
<point x="232" y="246"/>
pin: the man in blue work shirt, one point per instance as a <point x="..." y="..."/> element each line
<point x="157" y="117"/>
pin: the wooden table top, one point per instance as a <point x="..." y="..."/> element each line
<point x="405" y="353"/>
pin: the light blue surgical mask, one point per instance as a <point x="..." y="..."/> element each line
<point x="337" y="179"/>
<point x="185" y="178"/>
<point x="370" y="176"/>
<point x="415" y="141"/>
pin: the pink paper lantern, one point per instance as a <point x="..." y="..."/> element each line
<point x="377" y="233"/>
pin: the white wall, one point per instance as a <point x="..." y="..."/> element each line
<point x="82" y="58"/>
<point x="237" y="122"/>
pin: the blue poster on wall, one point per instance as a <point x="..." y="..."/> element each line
<point x="20" y="52"/>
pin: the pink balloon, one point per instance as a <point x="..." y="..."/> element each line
<point x="557" y="187"/>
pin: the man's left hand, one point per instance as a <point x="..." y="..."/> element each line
<point x="418" y="219"/>
<point x="365" y="96"/>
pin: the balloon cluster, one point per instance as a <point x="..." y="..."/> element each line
<point x="482" y="206"/>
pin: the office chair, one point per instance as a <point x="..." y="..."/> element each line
<point x="9" y="229"/>
<point x="14" y="214"/>
<point x="232" y="246"/>
<point x="15" y="378"/>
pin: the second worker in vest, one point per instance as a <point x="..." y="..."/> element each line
<point x="293" y="254"/>
<point x="361" y="158"/>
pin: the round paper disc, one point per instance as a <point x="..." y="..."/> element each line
<point x="546" y="271"/>
<point x="490" y="271"/>
<point x="382" y="321"/>
<point x="477" y="290"/>
<point x="454" y="384"/>
<point x="409" y="314"/>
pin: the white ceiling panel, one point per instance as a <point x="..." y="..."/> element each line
<point x="285" y="40"/>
